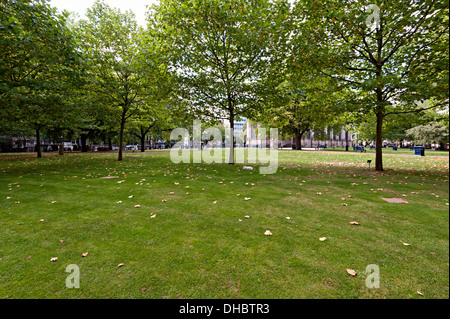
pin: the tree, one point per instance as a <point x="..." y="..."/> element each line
<point x="395" y="127"/>
<point x="393" y="54"/>
<point x="433" y="133"/>
<point x="115" y="46"/>
<point x="304" y="102"/>
<point x="150" y="120"/>
<point x="39" y="64"/>
<point x="222" y="52"/>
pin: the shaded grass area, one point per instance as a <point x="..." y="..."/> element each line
<point x="200" y="245"/>
<point x="389" y="150"/>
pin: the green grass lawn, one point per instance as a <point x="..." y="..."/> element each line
<point x="200" y="245"/>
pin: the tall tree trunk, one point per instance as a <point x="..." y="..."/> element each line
<point x="61" y="148"/>
<point x="122" y="127"/>
<point x="380" y="107"/>
<point x="346" y="141"/>
<point x="83" y="139"/>
<point x="231" y="158"/>
<point x="142" y="137"/>
<point x="298" y="140"/>
<point x="110" y="143"/>
<point x="38" y="143"/>
<point x="379" y="143"/>
<point x="143" y="143"/>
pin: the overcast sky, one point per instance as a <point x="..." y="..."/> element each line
<point x="80" y="6"/>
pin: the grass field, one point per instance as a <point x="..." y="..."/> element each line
<point x="190" y="237"/>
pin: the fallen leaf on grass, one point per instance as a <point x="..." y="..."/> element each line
<point x="354" y="223"/>
<point x="215" y="202"/>
<point x="120" y="265"/>
<point x="323" y="238"/>
<point x="54" y="259"/>
<point x="137" y="206"/>
<point x="84" y="254"/>
<point x="351" y="272"/>
<point x="153" y="216"/>
<point x="406" y="244"/>
<point x="268" y="233"/>
<point x="247" y="216"/>
<point x="419" y="293"/>
<point x="41" y="220"/>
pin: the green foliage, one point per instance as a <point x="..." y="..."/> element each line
<point x="39" y="64"/>
<point x="433" y="133"/>
<point x="220" y="51"/>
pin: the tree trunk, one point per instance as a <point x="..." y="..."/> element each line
<point x="110" y="143"/>
<point x="231" y="159"/>
<point x="346" y="141"/>
<point x="298" y="140"/>
<point x="379" y="143"/>
<point x="380" y="107"/>
<point x="38" y="143"/>
<point x="142" y="138"/>
<point x="83" y="139"/>
<point x="122" y="127"/>
<point x="61" y="148"/>
<point x="143" y="143"/>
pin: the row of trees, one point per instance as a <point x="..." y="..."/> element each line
<point x="298" y="65"/>
<point x="84" y="78"/>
